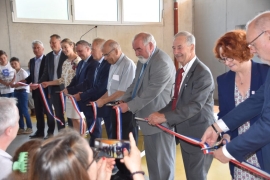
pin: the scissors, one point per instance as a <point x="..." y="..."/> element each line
<point x="217" y="145"/>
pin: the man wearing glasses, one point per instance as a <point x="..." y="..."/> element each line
<point x="121" y="75"/>
<point x="258" y="134"/>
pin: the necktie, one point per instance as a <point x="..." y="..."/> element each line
<point x="96" y="72"/>
<point x="136" y="87"/>
<point x="82" y="66"/>
<point x="176" y="87"/>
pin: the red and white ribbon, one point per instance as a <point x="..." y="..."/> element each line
<point x="62" y="101"/>
<point x="41" y="90"/>
<point x="94" y="107"/>
<point x="118" y="122"/>
<point x="194" y="141"/>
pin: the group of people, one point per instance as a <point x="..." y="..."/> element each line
<point x="181" y="101"/>
<point x="64" y="156"/>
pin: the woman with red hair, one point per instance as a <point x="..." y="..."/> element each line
<point x="235" y="86"/>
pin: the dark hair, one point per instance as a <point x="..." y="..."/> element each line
<point x="30" y="147"/>
<point x="56" y="36"/>
<point x="3" y="53"/>
<point x="63" y="157"/>
<point x="14" y="59"/>
<point x="83" y="42"/>
<point x="234" y="46"/>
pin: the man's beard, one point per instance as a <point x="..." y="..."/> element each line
<point x="142" y="59"/>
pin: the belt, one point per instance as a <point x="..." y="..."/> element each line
<point x="20" y="90"/>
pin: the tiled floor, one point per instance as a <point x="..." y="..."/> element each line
<point x="217" y="170"/>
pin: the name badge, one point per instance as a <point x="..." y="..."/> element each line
<point x="115" y="77"/>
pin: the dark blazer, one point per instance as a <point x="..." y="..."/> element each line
<point x="87" y="73"/>
<point x="49" y="71"/>
<point x="226" y="85"/>
<point x="258" y="135"/>
<point x="30" y="78"/>
<point x="194" y="108"/>
<point x="99" y="87"/>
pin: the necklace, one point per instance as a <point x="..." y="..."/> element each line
<point x="241" y="82"/>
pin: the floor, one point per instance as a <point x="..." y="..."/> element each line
<point x="217" y="170"/>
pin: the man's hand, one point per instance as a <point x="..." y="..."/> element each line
<point x="77" y="96"/>
<point x="210" y="136"/>
<point x="218" y="154"/>
<point x="33" y="86"/>
<point x="45" y="84"/>
<point x="123" y="106"/>
<point x="65" y="91"/>
<point x="100" y="103"/>
<point x="156" y="118"/>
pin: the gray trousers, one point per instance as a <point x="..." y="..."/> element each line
<point x="160" y="155"/>
<point x="196" y="163"/>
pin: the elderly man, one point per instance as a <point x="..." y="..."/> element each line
<point x="8" y="130"/>
<point x="53" y="70"/>
<point x="191" y="110"/>
<point x="258" y="135"/>
<point x="121" y="75"/>
<point x="149" y="92"/>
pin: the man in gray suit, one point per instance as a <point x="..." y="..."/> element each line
<point x="150" y="91"/>
<point x="191" y="110"/>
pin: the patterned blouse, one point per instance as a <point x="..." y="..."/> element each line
<point x="68" y="71"/>
<point x="239" y="173"/>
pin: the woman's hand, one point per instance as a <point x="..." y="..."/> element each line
<point x="104" y="168"/>
<point x="132" y="160"/>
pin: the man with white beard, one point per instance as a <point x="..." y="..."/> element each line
<point x="149" y="92"/>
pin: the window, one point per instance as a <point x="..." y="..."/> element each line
<point x="96" y="10"/>
<point x="107" y="12"/>
<point x="141" y="11"/>
<point x="52" y="10"/>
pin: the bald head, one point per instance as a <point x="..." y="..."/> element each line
<point x="258" y="36"/>
<point x="145" y="37"/>
<point x="111" y="51"/>
<point x="260" y="22"/>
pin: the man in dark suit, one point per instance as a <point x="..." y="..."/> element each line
<point x="84" y="72"/>
<point x="150" y="91"/>
<point x="37" y="65"/>
<point x="191" y="110"/>
<point x="257" y="136"/>
<point x="53" y="70"/>
<point x="93" y="89"/>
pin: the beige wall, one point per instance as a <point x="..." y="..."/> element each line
<point x="17" y="37"/>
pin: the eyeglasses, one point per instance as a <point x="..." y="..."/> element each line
<point x="108" y="53"/>
<point x="251" y="43"/>
<point x="95" y="156"/>
<point x="223" y="60"/>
